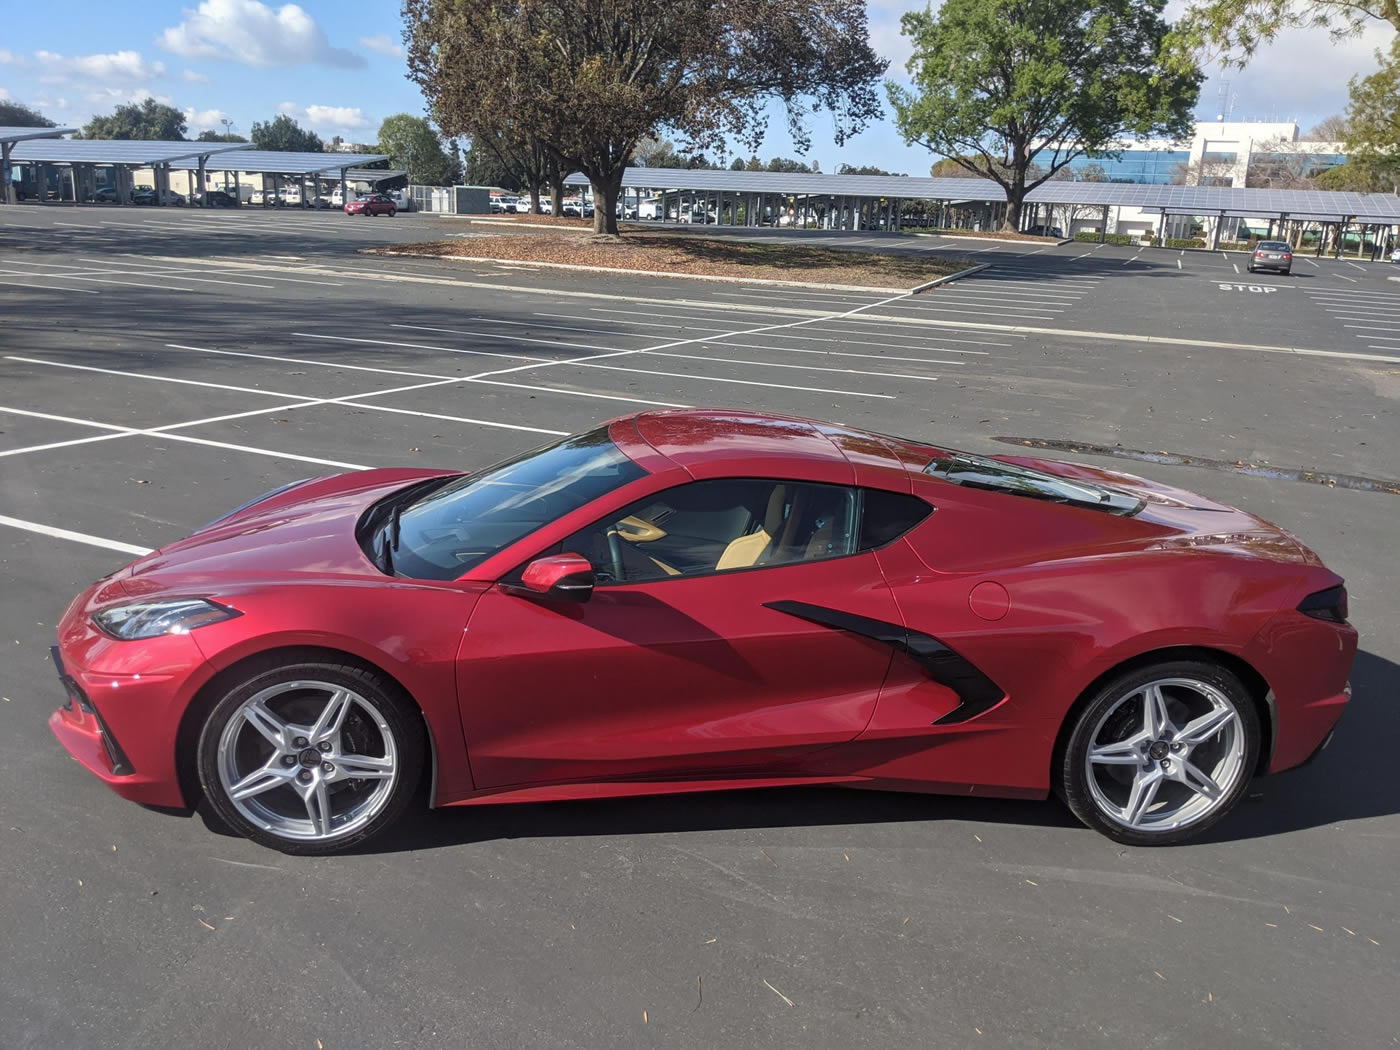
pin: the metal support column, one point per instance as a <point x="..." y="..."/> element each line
<point x="344" y="192"/>
<point x="1215" y="233"/>
<point x="6" y="180"/>
<point x="203" y="189"/>
<point x="1162" y="229"/>
<point x="237" y="192"/>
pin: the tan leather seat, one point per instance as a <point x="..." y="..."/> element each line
<point x="749" y="549"/>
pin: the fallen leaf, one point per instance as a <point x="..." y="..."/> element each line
<point x="1344" y="929"/>
<point x="1271" y="925"/>
<point x="644" y="1018"/>
<point x="1032" y="883"/>
<point x="1210" y="997"/>
<point x="847" y="856"/>
<point x="1173" y="918"/>
<point x="205" y="924"/>
<point x="768" y="858"/>
<point x="712" y="940"/>
<point x="1158" y="973"/>
<point x="1319" y="929"/>
<point x="977" y="837"/>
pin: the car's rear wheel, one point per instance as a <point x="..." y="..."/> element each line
<point x="1159" y="754"/>
<point x="311" y="757"/>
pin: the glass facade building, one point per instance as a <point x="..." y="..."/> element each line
<point x="1157" y="167"/>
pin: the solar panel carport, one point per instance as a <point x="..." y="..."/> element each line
<point x="84" y="156"/>
<point x="853" y="201"/>
<point x="8" y="137"/>
<point x="299" y="166"/>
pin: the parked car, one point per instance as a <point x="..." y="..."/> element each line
<point x="372" y="204"/>
<point x="1395" y="254"/>
<point x="1046" y="231"/>
<point x="289" y="196"/>
<point x="104" y="195"/>
<point x="146" y="195"/>
<point x="257" y="197"/>
<point x="805" y="625"/>
<point x="522" y="206"/>
<point x="1272" y="255"/>
<point x="216" y="199"/>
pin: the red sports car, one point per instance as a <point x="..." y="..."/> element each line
<point x="372" y="204"/>
<point x="682" y="601"/>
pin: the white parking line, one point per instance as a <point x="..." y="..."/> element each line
<point x="162" y="379"/>
<point x="166" y="433"/>
<point x="340" y="365"/>
<point x="1358" y="266"/>
<point x="804" y="368"/>
<point x="43" y="287"/>
<point x="1344" y="277"/>
<point x="76" y="537"/>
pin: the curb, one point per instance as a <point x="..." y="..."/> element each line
<point x="770" y="282"/>
<point x="523" y="225"/>
<point x="1047" y="241"/>
<point x="951" y="277"/>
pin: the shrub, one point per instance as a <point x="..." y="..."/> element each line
<point x="1112" y="238"/>
<point x="1185" y="242"/>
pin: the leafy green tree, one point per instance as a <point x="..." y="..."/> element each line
<point x="866" y="169"/>
<point x="1357" y="178"/>
<point x="1002" y="85"/>
<point x="589" y="79"/>
<point x="509" y="159"/>
<point x="147" y="119"/>
<point x="737" y="164"/>
<point x="413" y="145"/>
<point x="285" y="135"/>
<point x="1373" y="123"/>
<point x="787" y="164"/>
<point x="16" y="115"/>
<point x="219" y="136"/>
<point x="1230" y="31"/>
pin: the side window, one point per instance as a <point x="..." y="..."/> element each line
<point x="886" y="516"/>
<point x="721" y="526"/>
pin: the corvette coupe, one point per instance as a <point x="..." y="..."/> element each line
<point x="698" y="600"/>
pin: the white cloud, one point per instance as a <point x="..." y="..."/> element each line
<point x="115" y="67"/>
<point x="204" y="119"/>
<point x="326" y="118"/>
<point x="4" y="95"/>
<point x="104" y="98"/>
<point x="384" y="44"/>
<point x="9" y="58"/>
<point x="885" y="36"/>
<point x="191" y="77"/>
<point x="249" y="31"/>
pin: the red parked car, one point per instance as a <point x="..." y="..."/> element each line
<point x="372" y="204"/>
<point x="694" y="600"/>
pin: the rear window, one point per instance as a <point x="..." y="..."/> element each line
<point x="982" y="472"/>
<point x="1273" y="246"/>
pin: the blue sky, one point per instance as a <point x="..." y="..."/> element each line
<point x="338" y="68"/>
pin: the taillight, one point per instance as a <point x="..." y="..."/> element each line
<point x="1329" y="605"/>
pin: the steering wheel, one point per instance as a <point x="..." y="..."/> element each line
<point x="615" y="554"/>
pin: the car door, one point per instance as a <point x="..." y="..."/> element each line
<point x="696" y="655"/>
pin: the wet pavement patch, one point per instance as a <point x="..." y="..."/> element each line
<point x="1330" y="479"/>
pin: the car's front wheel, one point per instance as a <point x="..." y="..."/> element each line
<point x="310" y="757"/>
<point x="1159" y="754"/>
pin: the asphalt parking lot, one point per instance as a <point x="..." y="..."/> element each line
<point x="158" y="368"/>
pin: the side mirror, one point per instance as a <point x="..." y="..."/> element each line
<point x="563" y="577"/>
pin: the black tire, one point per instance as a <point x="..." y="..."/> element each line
<point x="399" y="713"/>
<point x="1249" y="269"/>
<point x="1069" y="775"/>
<point x="1288" y="271"/>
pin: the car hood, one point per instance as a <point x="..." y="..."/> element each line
<point x="1174" y="518"/>
<point x="307" y="529"/>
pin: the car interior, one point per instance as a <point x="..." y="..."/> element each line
<point x="719" y="526"/>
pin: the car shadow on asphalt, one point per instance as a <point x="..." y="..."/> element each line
<point x="1345" y="782"/>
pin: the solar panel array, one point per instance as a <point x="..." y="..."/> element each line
<point x="1187" y="200"/>
<point x="273" y="162"/>
<point x="113" y="151"/>
<point x="8" y="134"/>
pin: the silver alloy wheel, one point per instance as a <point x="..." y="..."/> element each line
<point x="1165" y="755"/>
<point x="308" y="760"/>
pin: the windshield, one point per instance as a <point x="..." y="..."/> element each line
<point x="962" y="468"/>
<point x="453" y="528"/>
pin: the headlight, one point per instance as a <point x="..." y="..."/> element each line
<point x="169" y="616"/>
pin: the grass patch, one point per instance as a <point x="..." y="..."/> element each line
<point x="700" y="256"/>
